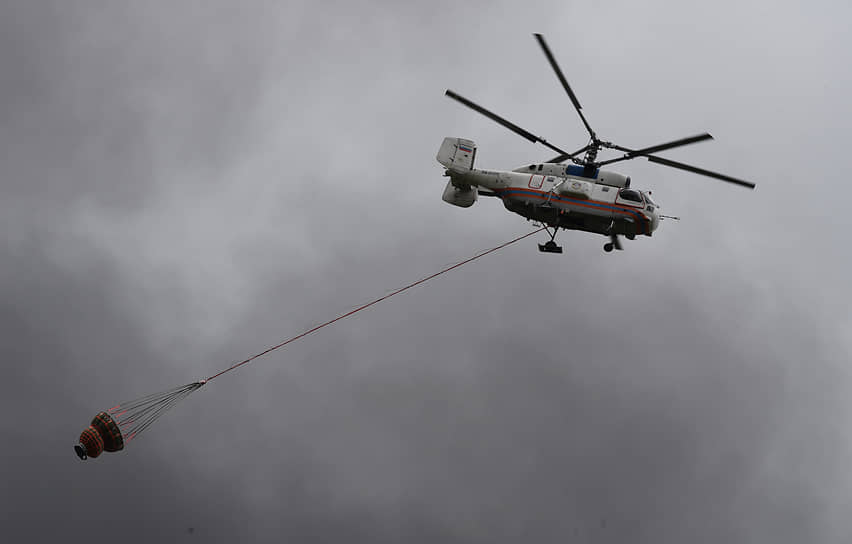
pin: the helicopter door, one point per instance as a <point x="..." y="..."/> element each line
<point x="536" y="182"/>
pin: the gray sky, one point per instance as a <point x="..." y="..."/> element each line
<point x="184" y="184"/>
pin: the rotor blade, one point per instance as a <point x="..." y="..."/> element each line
<point x="508" y="124"/>
<point x="564" y="156"/>
<point x="631" y="153"/>
<point x="688" y="168"/>
<point x="493" y="116"/>
<point x="564" y="82"/>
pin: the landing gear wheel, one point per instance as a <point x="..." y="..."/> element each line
<point x="614" y="243"/>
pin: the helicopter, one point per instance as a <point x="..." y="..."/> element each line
<point x="579" y="196"/>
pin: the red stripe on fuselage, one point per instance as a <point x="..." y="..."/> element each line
<point x="644" y="222"/>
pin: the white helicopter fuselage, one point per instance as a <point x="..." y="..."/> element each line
<point x="556" y="195"/>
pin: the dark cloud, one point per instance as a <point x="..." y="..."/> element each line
<point x="183" y="186"/>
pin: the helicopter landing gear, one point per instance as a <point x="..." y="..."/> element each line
<point x="614" y="244"/>
<point x="550" y="247"/>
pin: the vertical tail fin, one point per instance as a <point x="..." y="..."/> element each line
<point x="457" y="154"/>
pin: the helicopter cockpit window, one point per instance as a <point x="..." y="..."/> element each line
<point x="630" y="194"/>
<point x="532" y="167"/>
<point x="539" y="167"/>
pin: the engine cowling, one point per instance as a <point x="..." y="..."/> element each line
<point x="613" y="179"/>
<point x="461" y="197"/>
<point x="604" y="177"/>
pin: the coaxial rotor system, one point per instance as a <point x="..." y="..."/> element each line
<point x="587" y="156"/>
